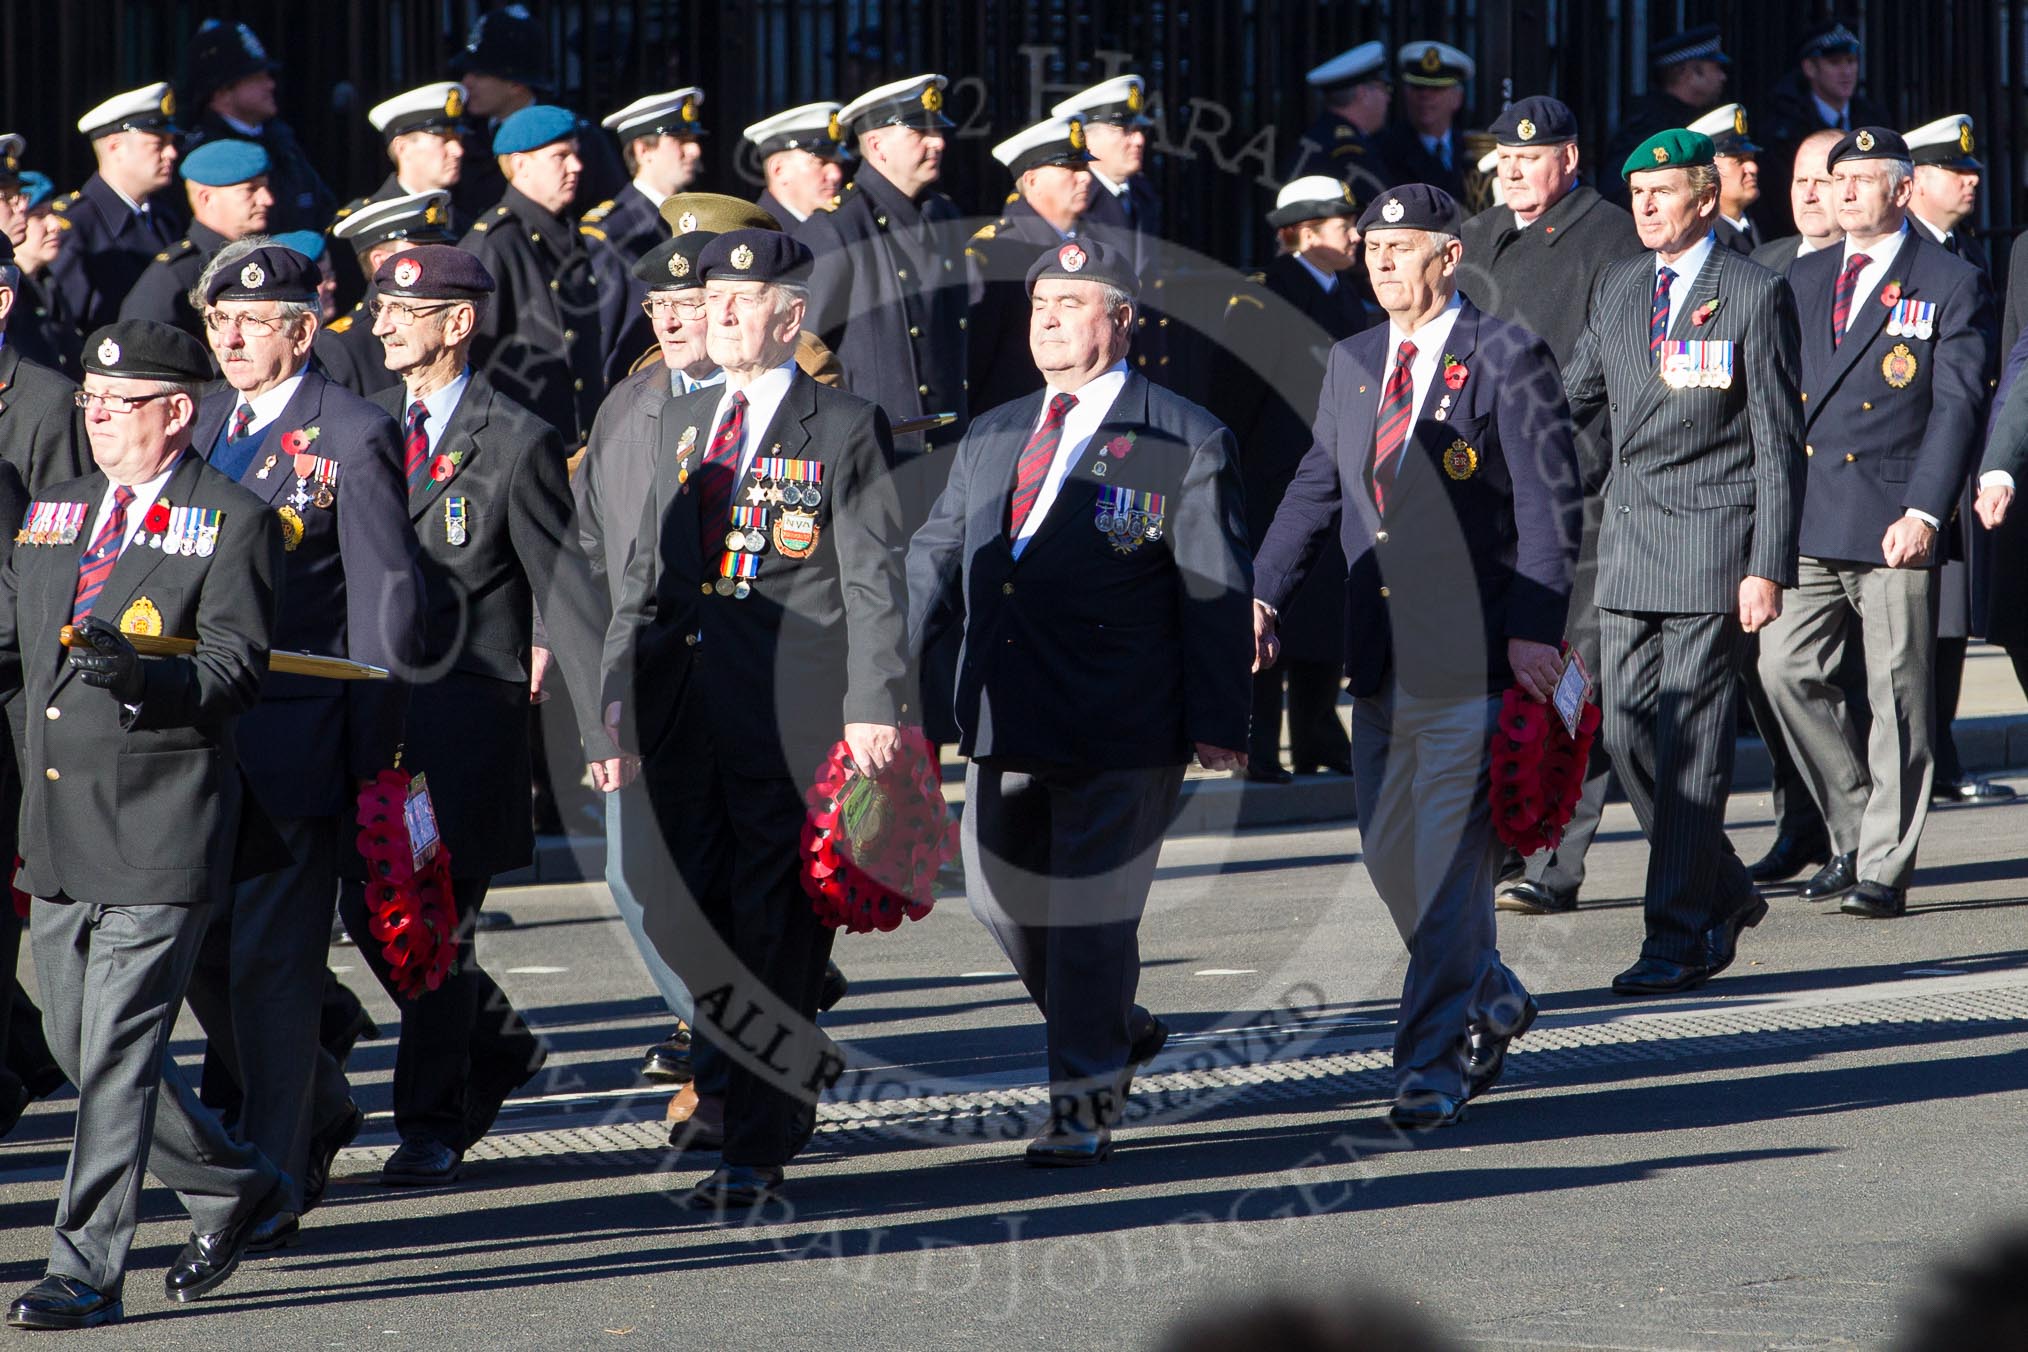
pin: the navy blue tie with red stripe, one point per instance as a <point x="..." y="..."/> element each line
<point x="1397" y="408"/>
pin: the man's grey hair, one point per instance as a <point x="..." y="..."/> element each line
<point x="227" y="259"/>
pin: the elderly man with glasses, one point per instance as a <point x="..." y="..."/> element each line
<point x="135" y="820"/>
<point x="326" y="464"/>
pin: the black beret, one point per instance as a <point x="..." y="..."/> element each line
<point x="433" y="272"/>
<point x="146" y="349"/>
<point x="1413" y="206"/>
<point x="6" y="248"/>
<point x="672" y="264"/>
<point x="1085" y="260"/>
<point x="271" y="272"/>
<point x="752" y="255"/>
<point x="1868" y="143"/>
<point x="1537" y="120"/>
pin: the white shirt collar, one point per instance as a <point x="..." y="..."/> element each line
<point x="1803" y="246"/>
<point x="1094" y="401"/>
<point x="1327" y="280"/>
<point x="655" y="199"/>
<point x="1116" y="189"/>
<point x="1940" y="236"/>
<point x="1430" y="341"/>
<point x="1833" y="117"/>
<point x="679" y="383"/>
<point x="243" y="128"/>
<point x="268" y="407"/>
<point x="1693" y="260"/>
<point x="1879" y="258"/>
<point x="1888" y="247"/>
<point x="138" y="208"/>
<point x="145" y="496"/>
<point x="763" y="400"/>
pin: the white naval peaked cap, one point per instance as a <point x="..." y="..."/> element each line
<point x="1054" y="140"/>
<point x="1119" y="99"/>
<point x="674" y="113"/>
<point x="1725" y="117"/>
<point x="431" y="105"/>
<point x="12" y="144"/>
<point x="1363" y="62"/>
<point x="426" y="215"/>
<point x="1434" y="64"/>
<point x="149" y="108"/>
<point x="1947" y="141"/>
<point x="917" y="100"/>
<point x="808" y="126"/>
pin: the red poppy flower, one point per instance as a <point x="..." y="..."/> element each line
<point x="157" y="519"/>
<point x="1890" y="293"/>
<point x="1703" y="314"/>
<point x="298" y="441"/>
<point x="1118" y="447"/>
<point x="440" y="468"/>
<point x="1455" y="375"/>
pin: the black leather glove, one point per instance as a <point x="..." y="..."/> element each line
<point x="105" y="659"/>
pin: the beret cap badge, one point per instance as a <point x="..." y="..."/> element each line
<point x="251" y="276"/>
<point x="1864" y="140"/>
<point x="1070" y="258"/>
<point x="1525" y="130"/>
<point x="407" y="272"/>
<point x="1393" y="211"/>
<point x="1661" y="154"/>
<point x="742" y="258"/>
<point x="679" y="266"/>
<point x="109" y="353"/>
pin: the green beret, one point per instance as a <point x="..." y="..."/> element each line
<point x="1672" y="149"/>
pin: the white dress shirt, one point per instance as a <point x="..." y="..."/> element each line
<point x="1327" y="280"/>
<point x="1871" y="277"/>
<point x="1686" y="269"/>
<point x="1094" y="401"/>
<point x="1942" y="237"/>
<point x="655" y="199"/>
<point x="1116" y="189"/>
<point x="1804" y="246"/>
<point x="680" y="383"/>
<point x="763" y="398"/>
<point x="1429" y="342"/>
<point x="137" y="510"/>
<point x="441" y="404"/>
<point x="266" y="407"/>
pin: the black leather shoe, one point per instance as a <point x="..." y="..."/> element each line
<point x="1659" y="976"/>
<point x="1876" y="901"/>
<point x="1336" y="767"/>
<point x="1426" y="1110"/>
<point x="1526" y="898"/>
<point x="1267" y="774"/>
<point x="1486" y="1050"/>
<point x="207" y="1260"/>
<point x="1975" y="792"/>
<point x="1834" y="880"/>
<point x="1789" y="856"/>
<point x="1069" y="1149"/>
<point x="14" y="1100"/>
<point x="735" y="1187"/>
<point x="283" y="1230"/>
<point x="421" y="1161"/>
<point x="64" y="1303"/>
<point x="1723" y="938"/>
<point x="833" y="987"/>
<point x="361" y="1027"/>
<point x="668" y="1061"/>
<point x="324" y="1148"/>
<point x="486" y="1095"/>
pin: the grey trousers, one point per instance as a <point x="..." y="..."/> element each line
<point x="1426" y="830"/>
<point x="112" y="979"/>
<point x="258" y="991"/>
<point x="1873" y="786"/>
<point x="1058" y="860"/>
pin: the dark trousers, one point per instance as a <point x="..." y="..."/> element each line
<point x="1671" y="687"/>
<point x="1058" y="862"/>
<point x="1796" y="813"/>
<point x="1316" y="737"/>
<point x="1949" y="677"/>
<point x="733" y="841"/>
<point x="464" y="1032"/>
<point x="258" y="991"/>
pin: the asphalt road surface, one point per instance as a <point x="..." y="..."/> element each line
<point x="1776" y="1161"/>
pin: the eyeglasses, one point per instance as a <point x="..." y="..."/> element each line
<point x="401" y="315"/>
<point x="253" y="326"/>
<point x="671" y="305"/>
<point x="115" y="403"/>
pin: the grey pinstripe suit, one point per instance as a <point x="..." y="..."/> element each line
<point x="1704" y="490"/>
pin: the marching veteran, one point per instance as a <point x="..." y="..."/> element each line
<point x="1091" y="548"/>
<point x="135" y="821"/>
<point x="1442" y="455"/>
<point x="761" y="619"/>
<point x="326" y="464"/>
<point x="1689" y="353"/>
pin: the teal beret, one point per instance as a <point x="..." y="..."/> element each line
<point x="1676" y="148"/>
<point x="308" y="243"/>
<point x="533" y="128"/>
<point x="36" y="189"/>
<point x="220" y="164"/>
